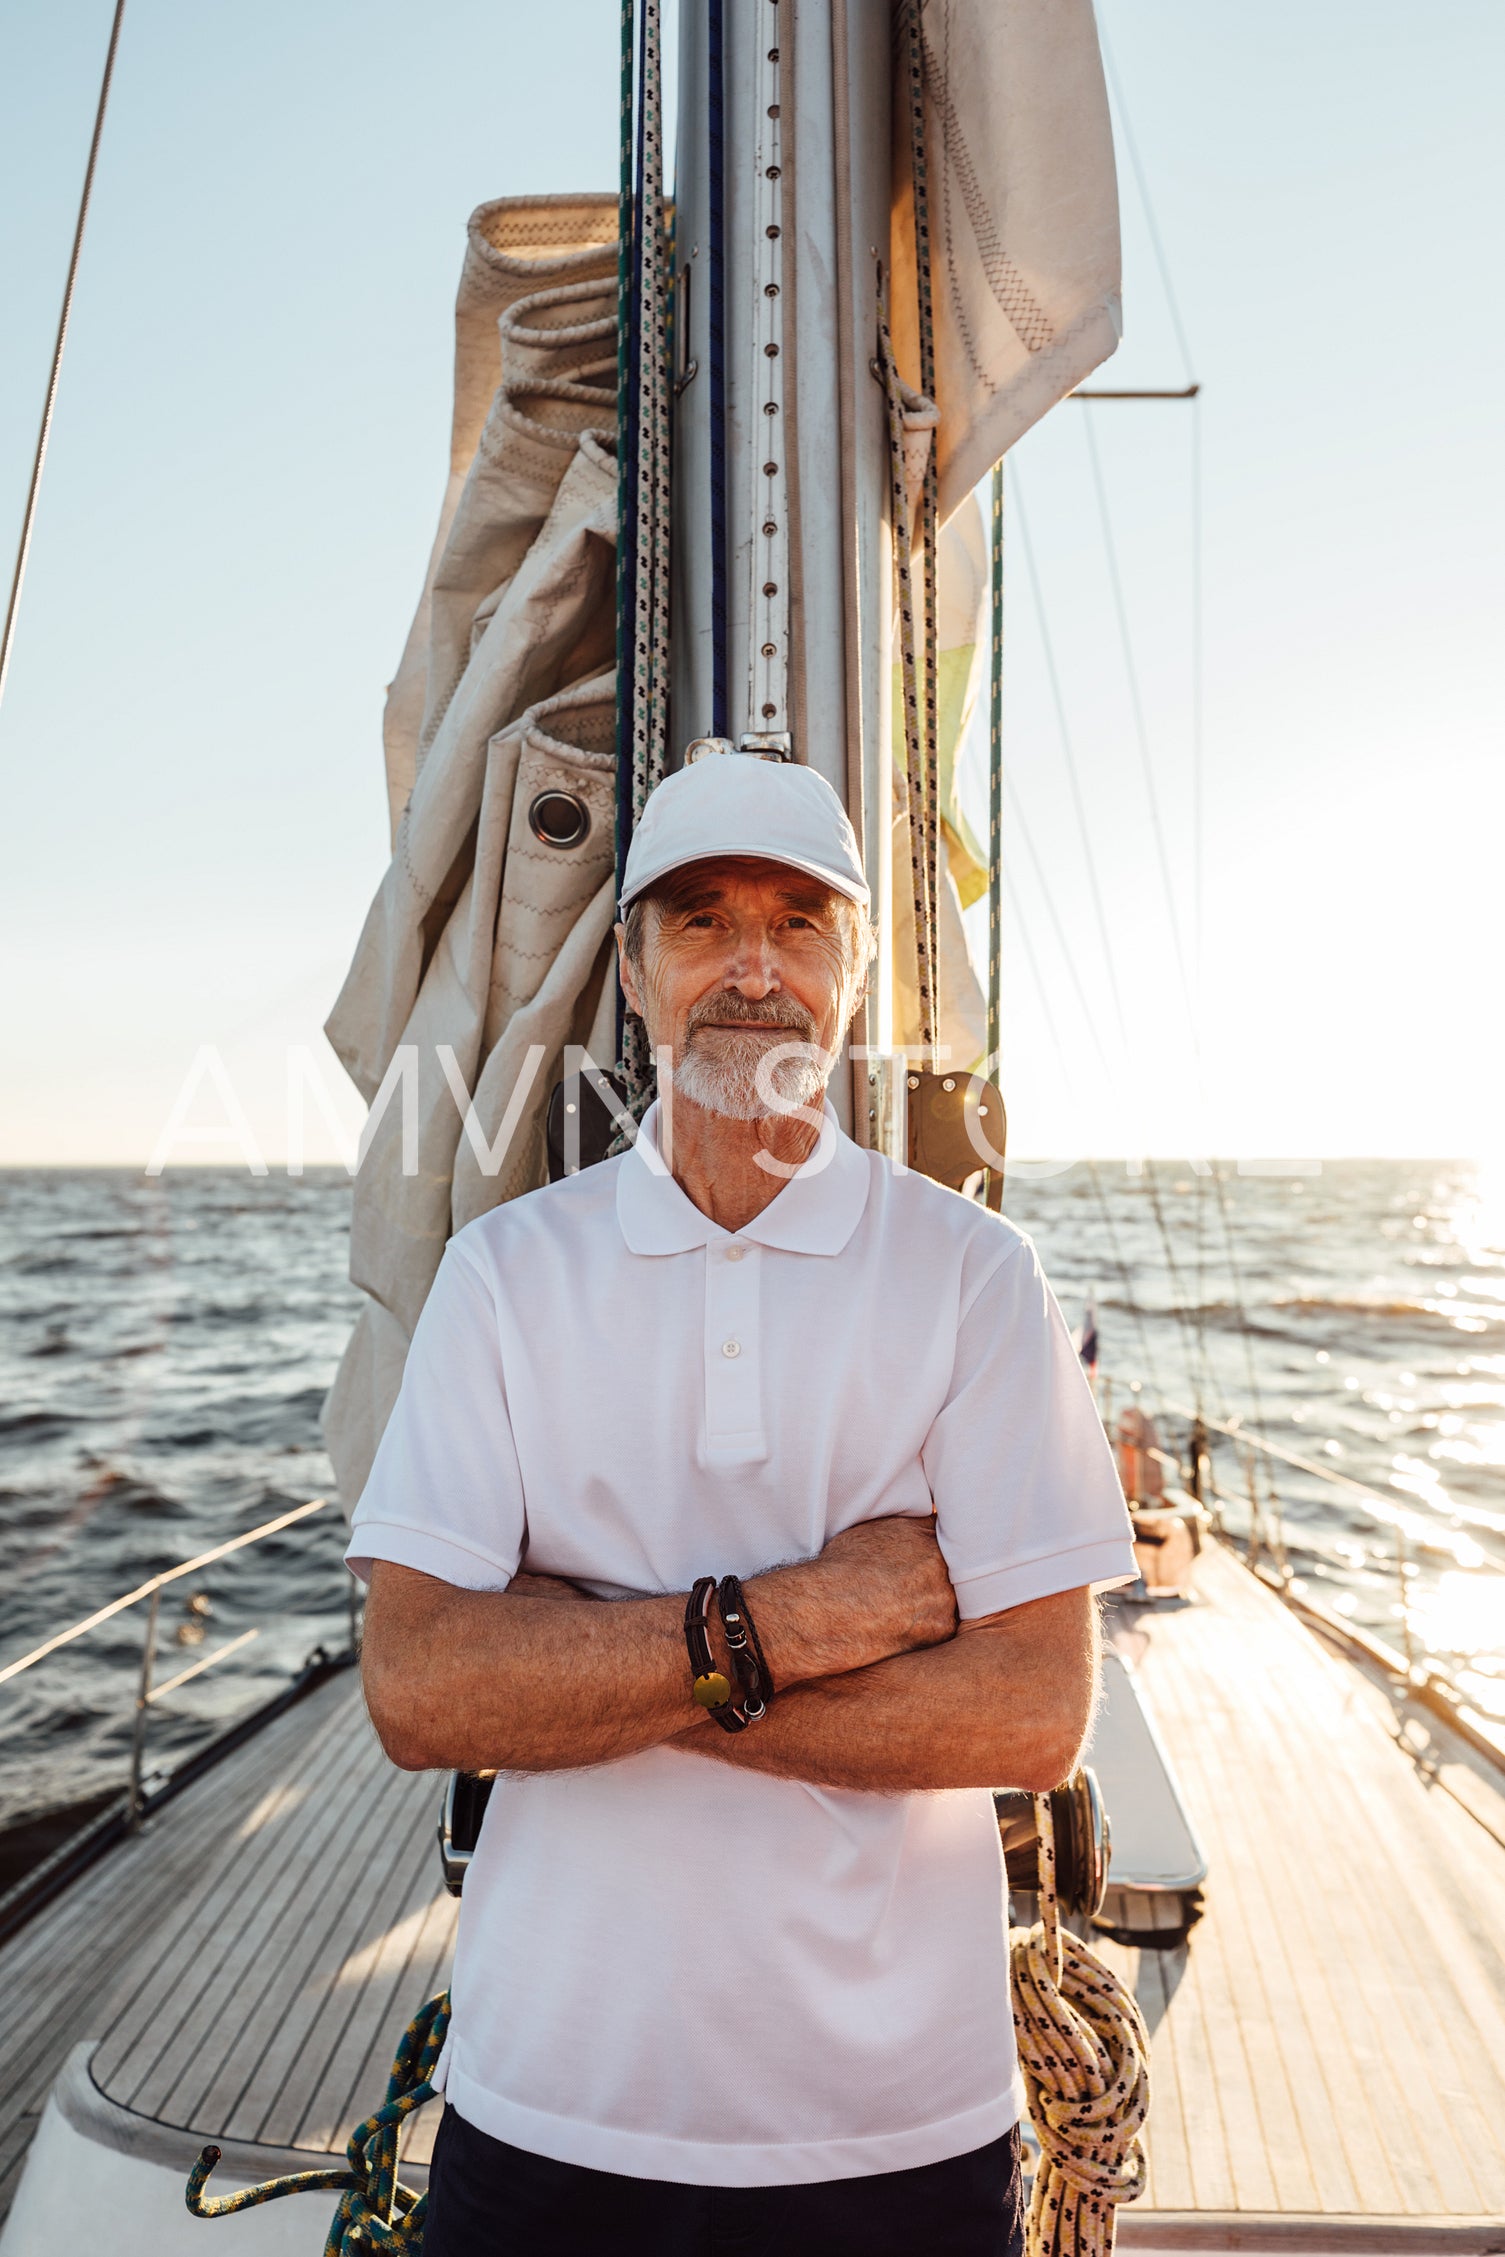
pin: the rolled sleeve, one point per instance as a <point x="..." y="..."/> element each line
<point x="445" y="1493"/>
<point x="1027" y="1496"/>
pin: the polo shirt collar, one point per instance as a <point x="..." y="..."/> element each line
<point x="816" y="1211"/>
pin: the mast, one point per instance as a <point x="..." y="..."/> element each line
<point x="779" y="461"/>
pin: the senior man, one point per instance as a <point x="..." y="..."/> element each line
<point x="732" y="1970"/>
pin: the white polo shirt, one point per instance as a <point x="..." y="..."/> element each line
<point x="668" y="1967"/>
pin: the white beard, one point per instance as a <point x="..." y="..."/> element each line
<point x="722" y="1071"/>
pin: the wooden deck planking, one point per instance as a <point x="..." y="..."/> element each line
<point x="383" y="1996"/>
<point x="1407" y="1931"/>
<point x="255" y="1886"/>
<point x="1207" y="2148"/>
<point x="1298" y="1991"/>
<point x="270" y="2009"/>
<point x="1348" y="2168"/>
<point x="1410" y="1975"/>
<point x="1281" y="2001"/>
<point x="56" y="1973"/>
<point x="266" y="2008"/>
<point x="277" y="2095"/>
<point x="252" y="1986"/>
<point x="1398" y="2039"/>
<point x="1170" y="2151"/>
<point x="1235" y="2076"/>
<point x="254" y="1949"/>
<point x="1277" y="2119"/>
<point x="1350" y="1951"/>
<point x="171" y="1964"/>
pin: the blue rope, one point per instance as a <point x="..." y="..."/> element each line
<point x="376" y="2211"/>
<point x="717" y="348"/>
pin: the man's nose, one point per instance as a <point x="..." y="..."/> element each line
<point x="753" y="968"/>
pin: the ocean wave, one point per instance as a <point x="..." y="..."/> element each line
<point x="1477" y="1315"/>
<point x="37" y="1426"/>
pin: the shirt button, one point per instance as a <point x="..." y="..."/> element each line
<point x="731" y="1347"/>
<point x="735" y="1253"/>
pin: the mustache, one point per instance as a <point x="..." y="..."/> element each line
<point x="733" y="1009"/>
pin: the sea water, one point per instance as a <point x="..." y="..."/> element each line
<point x="166" y="1344"/>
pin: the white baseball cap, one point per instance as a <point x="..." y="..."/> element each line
<point x="735" y="803"/>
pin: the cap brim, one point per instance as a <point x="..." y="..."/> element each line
<point x="840" y="881"/>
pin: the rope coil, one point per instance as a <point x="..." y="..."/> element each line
<point x="1084" y="2050"/>
<point x="376" y="2210"/>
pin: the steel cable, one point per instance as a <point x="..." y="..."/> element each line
<point x="33" y="491"/>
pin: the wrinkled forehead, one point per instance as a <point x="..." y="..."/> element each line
<point x="727" y="880"/>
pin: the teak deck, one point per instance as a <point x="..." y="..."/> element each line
<point x="249" y="1964"/>
<point x="1328" y="2044"/>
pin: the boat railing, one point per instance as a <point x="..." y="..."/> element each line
<point x="149" y="1689"/>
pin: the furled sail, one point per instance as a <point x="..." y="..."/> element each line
<point x="487" y="948"/>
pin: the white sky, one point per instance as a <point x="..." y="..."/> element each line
<point x="249" y="452"/>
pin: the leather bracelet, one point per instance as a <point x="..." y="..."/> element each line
<point x="754" y="1678"/>
<point x="707" y="1684"/>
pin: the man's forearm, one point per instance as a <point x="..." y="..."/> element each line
<point x="486" y="1681"/>
<point x="1005" y="1705"/>
<point x="493" y="1680"/>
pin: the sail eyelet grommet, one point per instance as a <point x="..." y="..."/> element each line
<point x="559" y="818"/>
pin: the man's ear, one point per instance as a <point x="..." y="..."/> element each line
<point x="624" y="973"/>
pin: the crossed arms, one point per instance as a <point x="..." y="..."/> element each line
<point x="878" y="1686"/>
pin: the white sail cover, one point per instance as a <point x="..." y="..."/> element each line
<point x="1023" y="199"/>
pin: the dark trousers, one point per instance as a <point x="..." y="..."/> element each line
<point x="487" y="2199"/>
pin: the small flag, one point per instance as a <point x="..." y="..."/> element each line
<point x="1087" y="1336"/>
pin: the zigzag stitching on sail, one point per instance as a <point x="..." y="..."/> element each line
<point x="1015" y="300"/>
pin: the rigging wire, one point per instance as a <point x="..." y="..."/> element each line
<point x="1141" y="731"/>
<point x="1183" y="342"/>
<point x="1178" y="1286"/>
<point x="1131" y="1300"/>
<point x="1068" y="749"/>
<point x="1022" y="829"/>
<point x="1152" y="224"/>
<point x="1188" y="993"/>
<point x="1246" y="1335"/>
<point x="995" y="916"/>
<point x="29" y="516"/>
